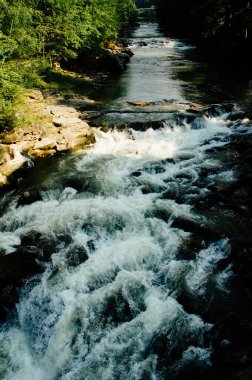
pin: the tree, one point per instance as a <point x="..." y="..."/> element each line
<point x="226" y="22"/>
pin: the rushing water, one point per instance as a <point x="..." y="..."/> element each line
<point x="126" y="286"/>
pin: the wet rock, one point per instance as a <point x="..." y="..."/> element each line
<point x="136" y="174"/>
<point x="172" y="192"/>
<point x="29" y="196"/>
<point x="78" y="102"/>
<point x="218" y="109"/>
<point x="139" y="103"/>
<point x="115" y="60"/>
<point x="143" y="126"/>
<point x="112" y="62"/>
<point x="17" y="162"/>
<point x="76" y="256"/>
<point x="90" y="115"/>
<point x="31" y="238"/>
<point x="74" y="183"/>
<point x="142" y="43"/>
<point x="196" y="228"/>
<point x="15" y="269"/>
<point x="41" y="153"/>
<point x="236" y="115"/>
<point x="199" y="122"/>
<point x="147" y="189"/>
<point x="91" y="245"/>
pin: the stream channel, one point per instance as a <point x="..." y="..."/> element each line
<point x="141" y="245"/>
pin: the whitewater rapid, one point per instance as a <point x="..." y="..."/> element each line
<point x="112" y="287"/>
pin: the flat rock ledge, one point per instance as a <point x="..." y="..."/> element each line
<point x="55" y="129"/>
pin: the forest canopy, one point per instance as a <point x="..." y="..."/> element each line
<point x="59" y="29"/>
<point x="36" y="33"/>
<point x="228" y="22"/>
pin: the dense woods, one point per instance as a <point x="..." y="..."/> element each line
<point x="224" y="22"/>
<point x="36" y="33"/>
<point x="59" y="29"/>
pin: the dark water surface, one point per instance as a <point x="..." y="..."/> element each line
<point x="141" y="245"/>
<point x="168" y="68"/>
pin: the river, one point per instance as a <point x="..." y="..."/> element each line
<point x="138" y="237"/>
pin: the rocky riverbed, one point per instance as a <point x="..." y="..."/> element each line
<point x="57" y="128"/>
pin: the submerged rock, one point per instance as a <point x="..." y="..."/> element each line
<point x="29" y="196"/>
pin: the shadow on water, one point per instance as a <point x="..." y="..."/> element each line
<point x="210" y="78"/>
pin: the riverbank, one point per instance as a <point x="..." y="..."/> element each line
<point x="56" y="126"/>
<point x="51" y="120"/>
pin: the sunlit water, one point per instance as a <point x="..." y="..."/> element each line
<point x="108" y="306"/>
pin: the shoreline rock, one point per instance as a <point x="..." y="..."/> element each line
<point x="59" y="128"/>
<point x="115" y="59"/>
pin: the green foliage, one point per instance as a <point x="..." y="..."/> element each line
<point x="8" y="119"/>
<point x="59" y="29"/>
<point x="36" y="33"/>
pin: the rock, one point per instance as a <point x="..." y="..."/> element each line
<point x="90" y="115"/>
<point x="61" y="111"/>
<point x="28" y="197"/>
<point x="40" y="153"/>
<point x="79" y="142"/>
<point x="67" y="194"/>
<point x="4" y="155"/>
<point x="62" y="130"/>
<point x="3" y="180"/>
<point x="46" y="244"/>
<point x="78" y="102"/>
<point x="25" y="146"/>
<point x="65" y="122"/>
<point x="114" y="62"/>
<point x="136" y="174"/>
<point x="16" y="163"/>
<point x="74" y="183"/>
<point x="236" y="115"/>
<point x="196" y="228"/>
<point x="62" y="147"/>
<point x="13" y="137"/>
<point x="15" y="268"/>
<point x="143" y="126"/>
<point x="78" y="136"/>
<point x="199" y="122"/>
<point x="139" y="103"/>
<point x="76" y="256"/>
<point x="36" y="95"/>
<point x="45" y="144"/>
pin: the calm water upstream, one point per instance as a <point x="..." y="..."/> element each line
<point x="135" y="236"/>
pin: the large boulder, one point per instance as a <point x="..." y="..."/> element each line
<point x="41" y="153"/>
<point x="17" y="162"/>
<point x="15" y="269"/>
<point x="45" y="144"/>
<point x="65" y="122"/>
<point x="3" y="180"/>
<point x="29" y="196"/>
<point x="114" y="60"/>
